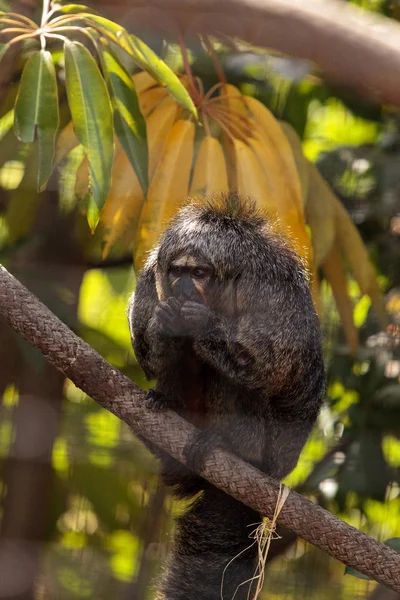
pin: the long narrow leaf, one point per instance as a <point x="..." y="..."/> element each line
<point x="27" y="102"/>
<point x="92" y="117"/>
<point x="69" y="9"/>
<point x="129" y="123"/>
<point x="36" y="109"/>
<point x="148" y="60"/>
<point x="105" y="26"/>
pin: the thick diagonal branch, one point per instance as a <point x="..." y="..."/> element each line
<point x="115" y="392"/>
<point x="355" y="48"/>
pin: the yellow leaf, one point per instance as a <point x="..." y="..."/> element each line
<point x="149" y="99"/>
<point x="143" y="81"/>
<point x="82" y="181"/>
<point x="159" y="125"/>
<point x="209" y="174"/>
<point x="66" y="142"/>
<point x="299" y="158"/>
<point x="123" y="205"/>
<point x="252" y="180"/>
<point x="264" y="121"/>
<point x="168" y="189"/>
<point x="320" y="214"/>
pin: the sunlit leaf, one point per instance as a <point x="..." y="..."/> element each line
<point x="105" y="26"/>
<point x="28" y="98"/>
<point x="70" y="9"/>
<point x="148" y="60"/>
<point x="122" y="209"/>
<point x="82" y="181"/>
<point x="92" y="117"/>
<point x="129" y="122"/>
<point x="66" y="142"/>
<point x="36" y="109"/>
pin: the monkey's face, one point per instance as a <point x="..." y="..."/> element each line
<point x="190" y="279"/>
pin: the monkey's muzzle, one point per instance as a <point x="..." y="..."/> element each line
<point x="185" y="289"/>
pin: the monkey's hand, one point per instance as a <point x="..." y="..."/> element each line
<point x="195" y="317"/>
<point x="168" y="315"/>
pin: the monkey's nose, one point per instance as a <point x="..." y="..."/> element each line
<point x="186" y="290"/>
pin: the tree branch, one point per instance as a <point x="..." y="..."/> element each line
<point x="115" y="392"/>
<point x="356" y="49"/>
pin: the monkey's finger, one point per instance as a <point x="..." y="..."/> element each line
<point x="195" y="311"/>
<point x="165" y="312"/>
<point x="171" y="309"/>
<point x="174" y="304"/>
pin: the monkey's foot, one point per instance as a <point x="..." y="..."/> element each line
<point x="156" y="400"/>
<point x="200" y="446"/>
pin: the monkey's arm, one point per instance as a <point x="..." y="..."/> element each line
<point x="255" y="350"/>
<point x="155" y="350"/>
<point x="234" y="347"/>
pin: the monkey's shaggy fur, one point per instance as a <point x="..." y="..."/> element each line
<point x="246" y="365"/>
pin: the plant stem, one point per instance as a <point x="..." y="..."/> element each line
<point x="215" y="59"/>
<point x="188" y="70"/>
<point x="45" y="11"/>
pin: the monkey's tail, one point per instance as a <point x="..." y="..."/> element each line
<point x="213" y="556"/>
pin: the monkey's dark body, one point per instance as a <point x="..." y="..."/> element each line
<point x="247" y="365"/>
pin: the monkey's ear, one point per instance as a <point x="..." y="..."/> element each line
<point x="160" y="285"/>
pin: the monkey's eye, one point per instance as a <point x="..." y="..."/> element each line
<point x="176" y="271"/>
<point x="199" y="272"/>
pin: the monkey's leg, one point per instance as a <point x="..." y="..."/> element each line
<point x="214" y="532"/>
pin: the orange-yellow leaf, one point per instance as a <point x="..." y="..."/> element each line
<point x="143" y="81"/>
<point x="168" y="189"/>
<point x="209" y="175"/>
<point x="123" y="205"/>
<point x="320" y="214"/>
<point x="252" y="180"/>
<point x="66" y="142"/>
<point x="299" y="158"/>
<point x="82" y="181"/>
<point x="264" y="121"/>
<point x="159" y="125"/>
<point x="149" y="99"/>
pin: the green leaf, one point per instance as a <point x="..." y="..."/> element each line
<point x="148" y="60"/>
<point x="393" y="543"/>
<point x="26" y="104"/>
<point x="70" y="9"/>
<point x="105" y="26"/>
<point x="36" y="109"/>
<point x="92" y="117"/>
<point x="355" y="573"/>
<point x="129" y="123"/>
